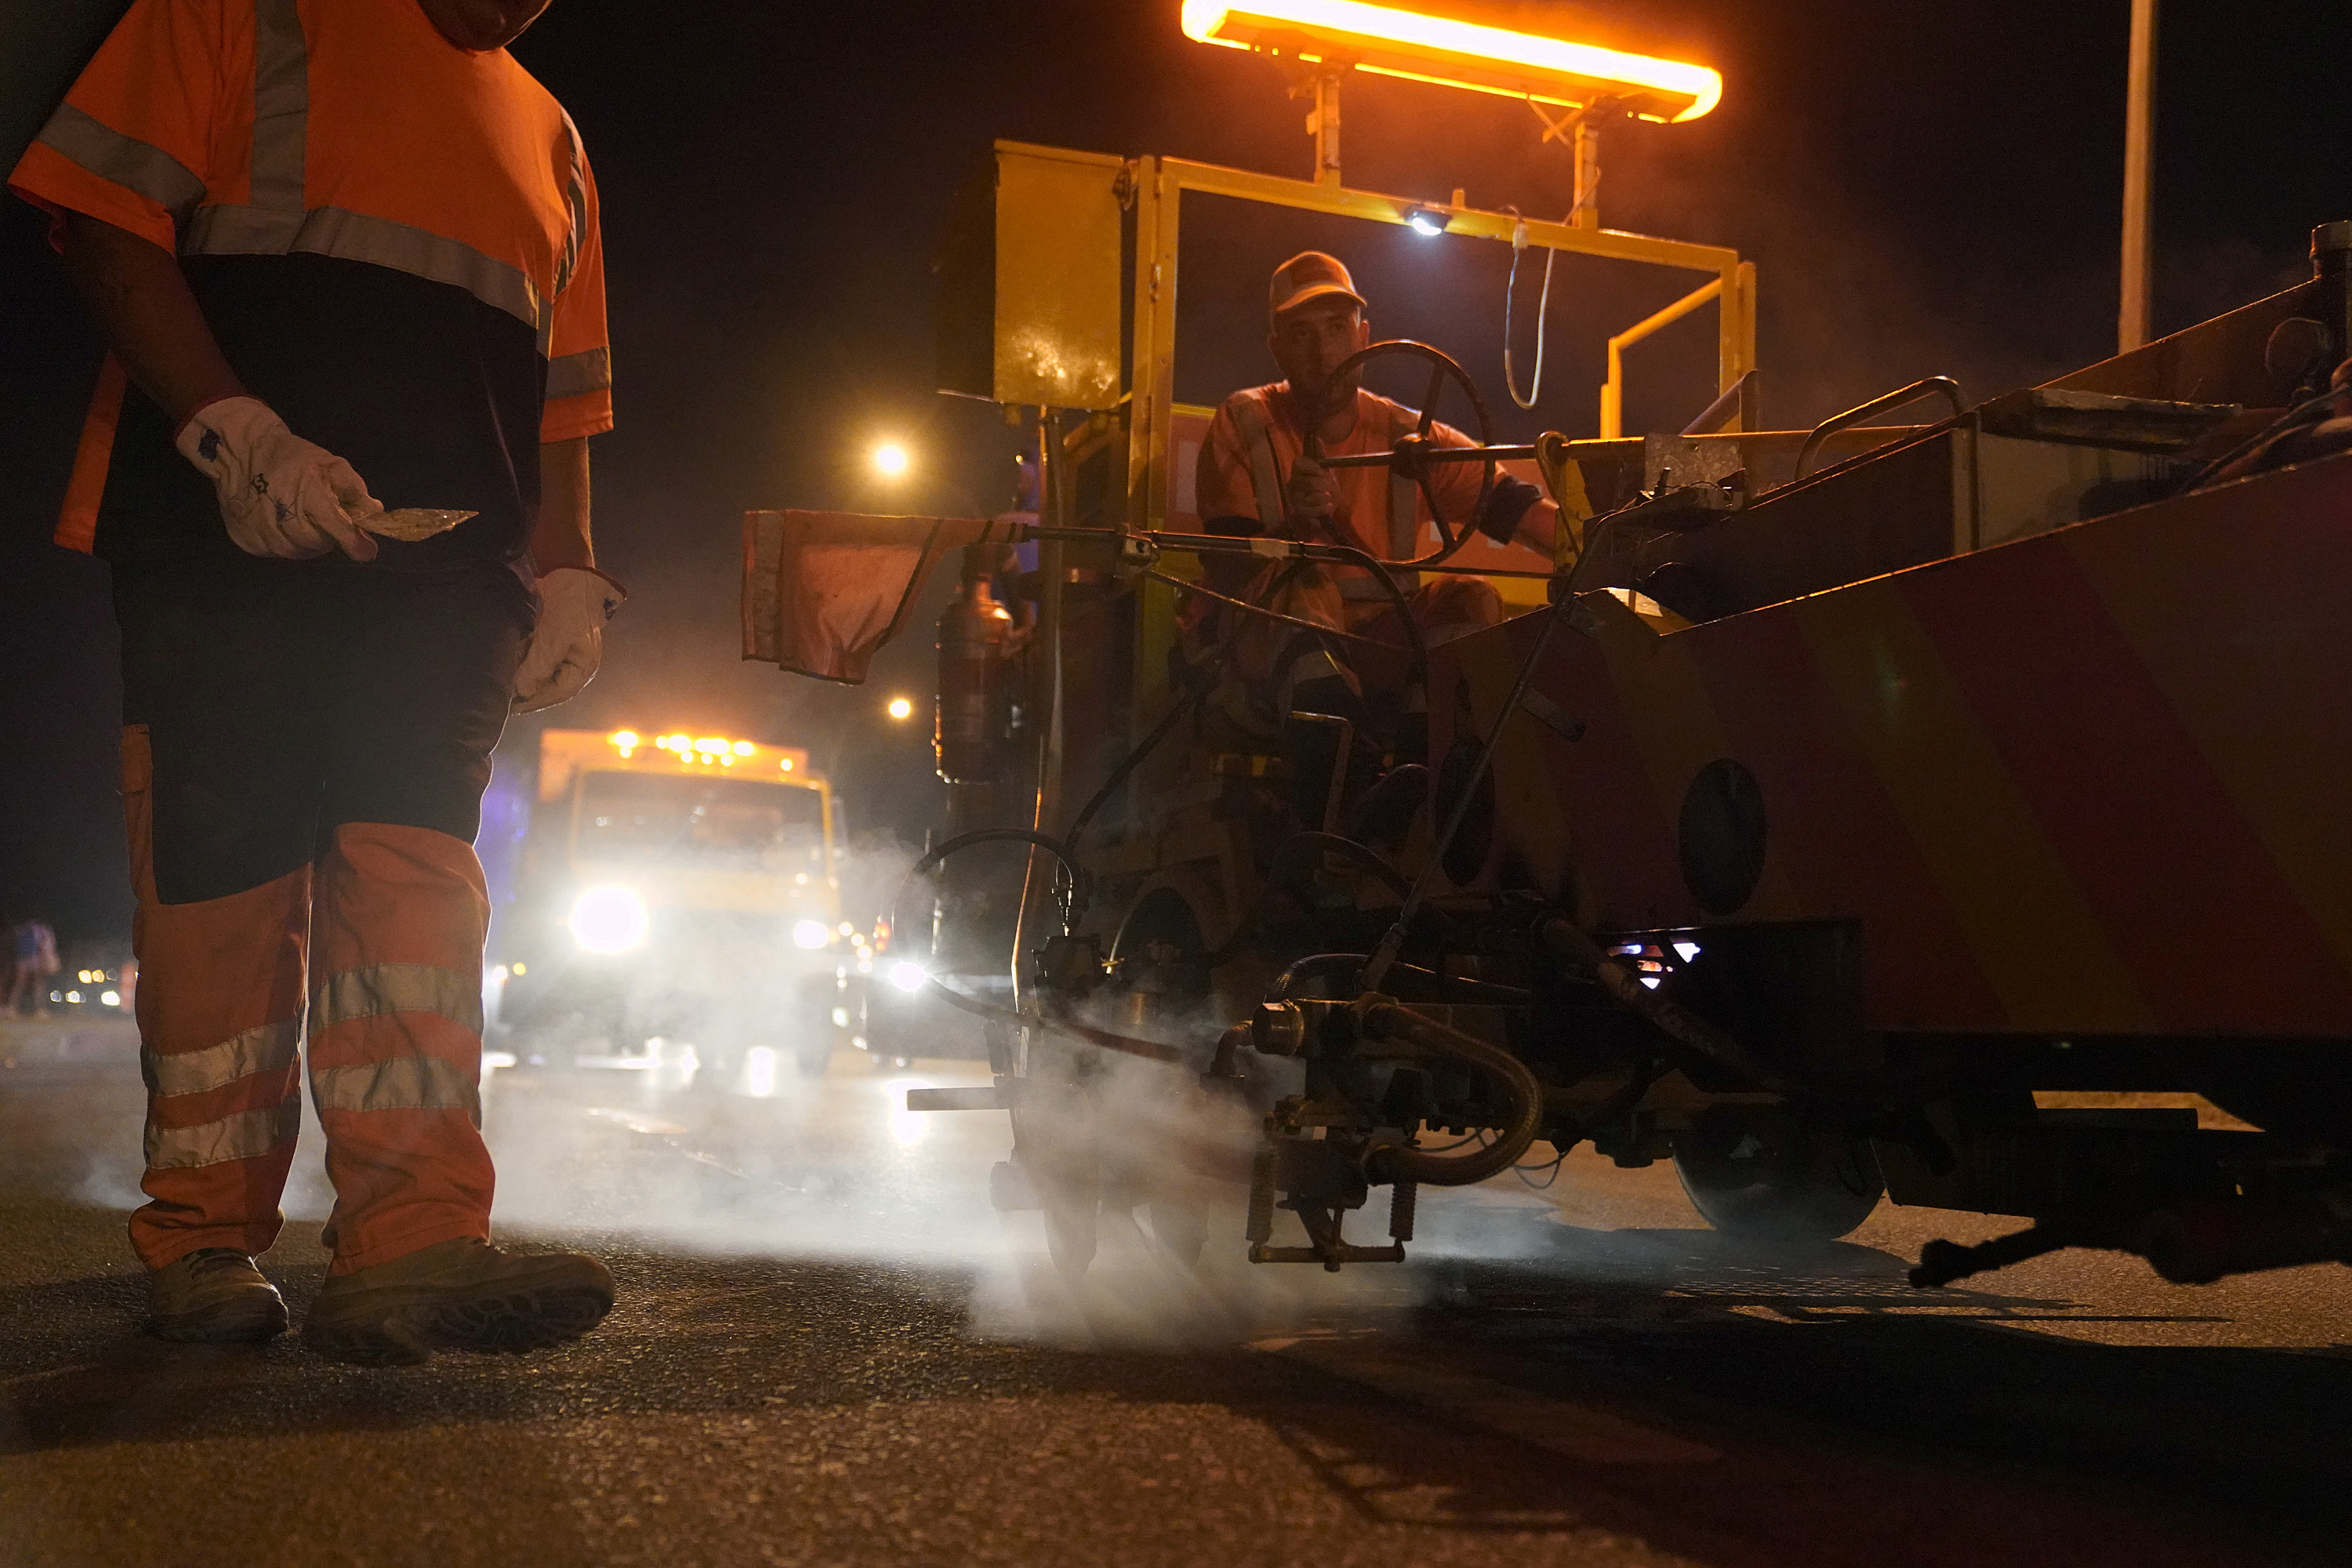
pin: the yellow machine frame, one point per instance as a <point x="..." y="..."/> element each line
<point x="1159" y="184"/>
<point x="1155" y="187"/>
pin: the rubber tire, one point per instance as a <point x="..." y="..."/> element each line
<point x="1777" y="1178"/>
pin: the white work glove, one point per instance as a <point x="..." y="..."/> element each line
<point x="279" y="495"/>
<point x="574" y="602"/>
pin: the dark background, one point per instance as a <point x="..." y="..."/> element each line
<point x="1925" y="188"/>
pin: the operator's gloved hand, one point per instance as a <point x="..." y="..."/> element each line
<point x="279" y="495"/>
<point x="574" y="602"/>
<point x="1311" y="496"/>
<point x="1506" y="503"/>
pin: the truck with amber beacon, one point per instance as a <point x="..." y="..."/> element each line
<point x="672" y="887"/>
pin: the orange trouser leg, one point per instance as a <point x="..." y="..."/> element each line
<point x="220" y="1020"/>
<point x="399" y="918"/>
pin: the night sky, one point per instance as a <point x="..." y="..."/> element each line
<point x="1925" y="188"/>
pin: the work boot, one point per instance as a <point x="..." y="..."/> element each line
<point x="463" y="1295"/>
<point x="214" y="1295"/>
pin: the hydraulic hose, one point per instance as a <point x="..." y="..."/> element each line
<point x="1081" y="889"/>
<point x="1451" y="987"/>
<point x="1072" y="914"/>
<point x="963" y="841"/>
<point x="1387" y="1020"/>
<point x="1307" y="968"/>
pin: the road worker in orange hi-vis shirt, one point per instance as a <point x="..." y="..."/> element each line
<point x="1260" y="474"/>
<point x="345" y="256"/>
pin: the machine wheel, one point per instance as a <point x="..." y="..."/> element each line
<point x="1775" y="1176"/>
<point x="1451" y="533"/>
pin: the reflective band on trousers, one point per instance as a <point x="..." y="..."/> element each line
<point x="404" y="1083"/>
<point x="271" y="1047"/>
<point x="248" y="1135"/>
<point x="383" y="988"/>
<point x="132" y="164"/>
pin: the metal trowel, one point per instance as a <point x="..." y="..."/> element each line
<point x="411" y="523"/>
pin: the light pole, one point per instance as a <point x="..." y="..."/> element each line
<point x="2139" y="146"/>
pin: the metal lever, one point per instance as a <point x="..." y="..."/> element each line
<point x="1929" y="387"/>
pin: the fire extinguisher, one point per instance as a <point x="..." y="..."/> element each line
<point x="973" y="707"/>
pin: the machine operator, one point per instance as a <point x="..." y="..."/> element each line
<point x="345" y="254"/>
<point x="1260" y="474"/>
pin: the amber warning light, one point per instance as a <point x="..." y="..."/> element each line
<point x="1457" y="54"/>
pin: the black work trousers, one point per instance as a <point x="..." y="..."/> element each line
<point x="284" y="699"/>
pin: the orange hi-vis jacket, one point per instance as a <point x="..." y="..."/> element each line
<point x="394" y="241"/>
<point x="1254" y="439"/>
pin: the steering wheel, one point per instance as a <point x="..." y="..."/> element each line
<point x="1413" y="455"/>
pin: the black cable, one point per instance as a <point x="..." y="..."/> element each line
<point x="1243" y="605"/>
<point x="1364" y="856"/>
<point x="1201" y="544"/>
<point x="1380" y="570"/>
<point x="1547" y="1184"/>
<point x="1385" y="953"/>
<point x="2275" y="428"/>
<point x="1081" y="886"/>
<point x="1133" y="760"/>
<point x="963" y="841"/>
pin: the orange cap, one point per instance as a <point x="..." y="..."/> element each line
<point x="1309" y="275"/>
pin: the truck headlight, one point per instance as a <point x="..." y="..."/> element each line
<point x="811" y="934"/>
<point x="609" y="919"/>
<point x="907" y="976"/>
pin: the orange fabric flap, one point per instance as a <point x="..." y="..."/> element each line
<point x="822" y="591"/>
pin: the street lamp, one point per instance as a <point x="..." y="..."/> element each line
<point x="900" y="708"/>
<point x="891" y="461"/>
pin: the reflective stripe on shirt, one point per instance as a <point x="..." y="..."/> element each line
<point x="281" y="113"/>
<point x="355" y="236"/>
<point x="569" y="376"/>
<point x="130" y="163"/>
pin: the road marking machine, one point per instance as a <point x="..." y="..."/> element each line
<point x="1833" y="803"/>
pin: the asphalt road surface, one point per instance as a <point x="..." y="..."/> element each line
<point x="829" y="1349"/>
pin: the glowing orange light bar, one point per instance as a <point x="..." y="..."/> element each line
<point x="1457" y="54"/>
